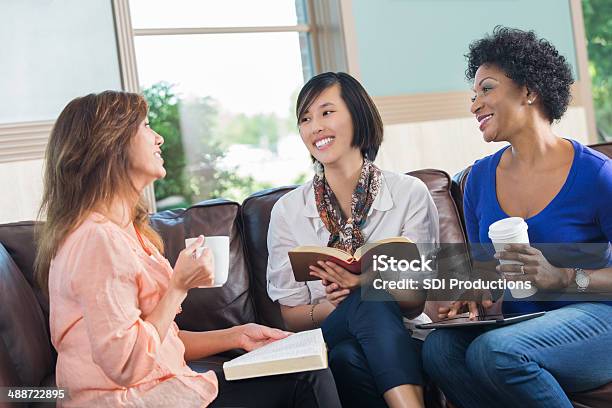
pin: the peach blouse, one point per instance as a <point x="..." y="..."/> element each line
<point x="101" y="285"/>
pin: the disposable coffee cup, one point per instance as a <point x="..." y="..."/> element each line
<point x="512" y="230"/>
<point x="219" y="247"/>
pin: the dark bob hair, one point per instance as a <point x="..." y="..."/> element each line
<point x="367" y="124"/>
<point x="527" y="60"/>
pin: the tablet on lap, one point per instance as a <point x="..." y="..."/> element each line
<point x="491" y="320"/>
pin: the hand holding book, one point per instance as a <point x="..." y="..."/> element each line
<point x="330" y="272"/>
<point x="252" y="336"/>
<point x="334" y="293"/>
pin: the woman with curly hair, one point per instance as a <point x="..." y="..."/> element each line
<point x="563" y="191"/>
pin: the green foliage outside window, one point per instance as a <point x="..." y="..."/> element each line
<point x="258" y="130"/>
<point x="598" y="27"/>
<point x="164" y="119"/>
<point x="201" y="177"/>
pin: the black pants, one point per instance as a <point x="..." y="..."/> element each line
<point x="311" y="389"/>
<point x="370" y="350"/>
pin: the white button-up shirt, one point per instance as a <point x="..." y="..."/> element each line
<point x="403" y="207"/>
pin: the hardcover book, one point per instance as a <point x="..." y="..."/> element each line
<point x="303" y="256"/>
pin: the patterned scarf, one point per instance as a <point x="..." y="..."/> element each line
<point x="346" y="233"/>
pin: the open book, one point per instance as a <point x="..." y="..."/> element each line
<point x="304" y="351"/>
<point x="303" y="256"/>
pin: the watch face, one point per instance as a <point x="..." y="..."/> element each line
<point x="582" y="280"/>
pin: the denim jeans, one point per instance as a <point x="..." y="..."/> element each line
<point x="528" y="364"/>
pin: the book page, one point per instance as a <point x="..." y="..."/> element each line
<point x="335" y="252"/>
<point x="362" y="250"/>
<point x="303" y="344"/>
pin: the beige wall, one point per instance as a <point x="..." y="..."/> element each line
<point x="433" y="128"/>
<point x="453" y="144"/>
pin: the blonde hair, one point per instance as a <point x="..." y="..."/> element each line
<point x="86" y="167"/>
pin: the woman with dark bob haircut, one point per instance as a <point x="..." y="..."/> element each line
<point x="563" y="192"/>
<point x="350" y="202"/>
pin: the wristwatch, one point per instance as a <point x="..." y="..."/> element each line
<point x="582" y="279"/>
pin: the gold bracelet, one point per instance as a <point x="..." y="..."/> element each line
<point x="311" y="313"/>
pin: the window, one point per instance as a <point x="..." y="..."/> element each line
<point x="221" y="78"/>
<point x="52" y="52"/>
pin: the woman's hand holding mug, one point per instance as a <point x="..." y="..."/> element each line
<point x="193" y="269"/>
<point x="533" y="267"/>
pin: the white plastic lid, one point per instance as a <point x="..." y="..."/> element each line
<point x="507" y="227"/>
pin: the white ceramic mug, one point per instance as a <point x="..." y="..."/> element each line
<point x="219" y="247"/>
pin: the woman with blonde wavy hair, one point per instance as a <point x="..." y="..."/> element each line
<point x="113" y="296"/>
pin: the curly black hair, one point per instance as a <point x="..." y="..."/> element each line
<point x="527" y="60"/>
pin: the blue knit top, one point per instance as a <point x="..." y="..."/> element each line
<point x="580" y="213"/>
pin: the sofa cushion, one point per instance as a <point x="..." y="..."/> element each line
<point x="256" y="211"/>
<point x="598" y="398"/>
<point x="8" y="372"/>
<point x="453" y="258"/>
<point x="25" y="349"/>
<point x="605" y="148"/>
<point x="210" y="308"/>
<point x="18" y="239"/>
<point x="439" y="185"/>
